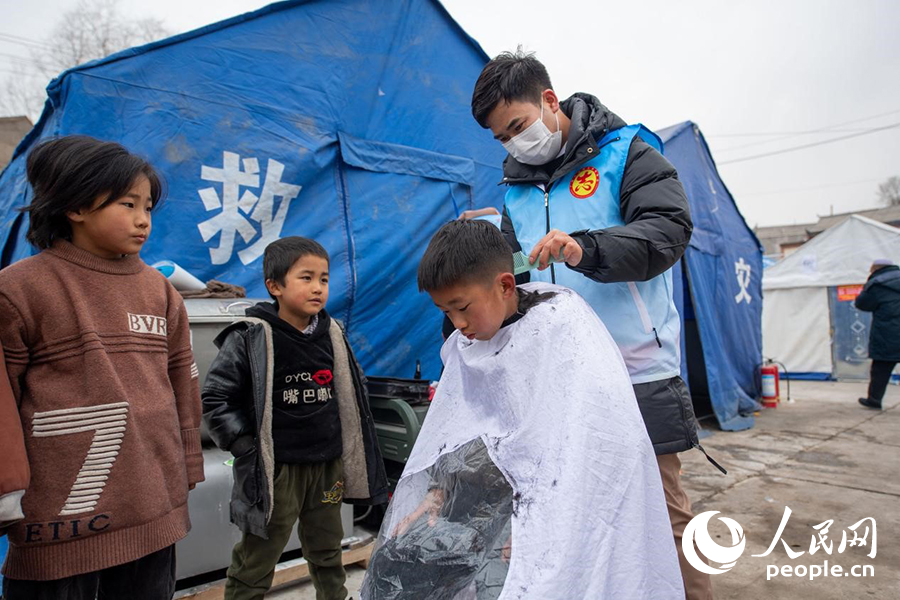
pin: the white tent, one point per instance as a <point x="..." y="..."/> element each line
<point x="803" y="292"/>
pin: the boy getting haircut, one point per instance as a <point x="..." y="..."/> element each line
<point x="97" y="349"/>
<point x="534" y="454"/>
<point x="463" y="251"/>
<point x="473" y="252"/>
<point x="286" y="397"/>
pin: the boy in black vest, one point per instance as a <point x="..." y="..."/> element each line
<point x="287" y="398"/>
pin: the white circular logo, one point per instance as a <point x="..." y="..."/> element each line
<point x="697" y="531"/>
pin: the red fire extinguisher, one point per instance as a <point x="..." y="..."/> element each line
<point x="770" y="385"/>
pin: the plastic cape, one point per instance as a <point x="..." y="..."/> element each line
<point x="533" y="441"/>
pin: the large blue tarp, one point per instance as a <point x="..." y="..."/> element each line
<point x="723" y="269"/>
<point x="346" y="121"/>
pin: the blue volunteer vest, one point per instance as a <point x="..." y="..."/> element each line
<point x="640" y="316"/>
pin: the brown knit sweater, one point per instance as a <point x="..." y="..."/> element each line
<point x="98" y="354"/>
<point x="14" y="474"/>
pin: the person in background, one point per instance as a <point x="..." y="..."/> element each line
<point x="881" y="297"/>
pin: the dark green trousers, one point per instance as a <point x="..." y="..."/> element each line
<point x="310" y="494"/>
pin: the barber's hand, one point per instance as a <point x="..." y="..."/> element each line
<point x="478" y="212"/>
<point x="556" y="244"/>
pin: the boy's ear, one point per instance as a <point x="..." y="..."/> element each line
<point x="76" y="216"/>
<point x="508" y="284"/>
<point x="273" y="287"/>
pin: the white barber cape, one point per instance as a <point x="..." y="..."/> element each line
<point x="550" y="399"/>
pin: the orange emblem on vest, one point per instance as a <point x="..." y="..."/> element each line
<point x="585" y="182"/>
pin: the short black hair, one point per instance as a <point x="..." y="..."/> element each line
<point x="281" y="255"/>
<point x="508" y="77"/>
<point x="71" y="173"/>
<point x="464" y="251"/>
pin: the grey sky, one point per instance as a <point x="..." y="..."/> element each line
<point x="732" y="67"/>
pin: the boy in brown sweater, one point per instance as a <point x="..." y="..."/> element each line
<point x="98" y="354"/>
<point x="15" y="474"/>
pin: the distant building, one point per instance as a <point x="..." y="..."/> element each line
<point x="781" y="240"/>
<point x="889" y="215"/>
<point x="12" y="130"/>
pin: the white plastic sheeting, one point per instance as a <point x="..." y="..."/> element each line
<point x="797" y="329"/>
<point x="452" y="547"/>
<point x="550" y="400"/>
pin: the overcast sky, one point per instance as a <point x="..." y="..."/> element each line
<point x="806" y="70"/>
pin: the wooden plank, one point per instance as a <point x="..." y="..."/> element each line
<point x="295" y="570"/>
<point x="209" y="591"/>
<point x="292" y="571"/>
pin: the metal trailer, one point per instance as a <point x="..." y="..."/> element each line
<point x="399" y="407"/>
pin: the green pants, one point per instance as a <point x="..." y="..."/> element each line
<point x="311" y="493"/>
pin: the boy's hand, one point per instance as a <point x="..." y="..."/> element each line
<point x="478" y="212"/>
<point x="506" y="553"/>
<point x="242" y="445"/>
<point x="432" y="504"/>
<point x="556" y="244"/>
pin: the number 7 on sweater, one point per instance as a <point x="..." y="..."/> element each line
<point x="107" y="421"/>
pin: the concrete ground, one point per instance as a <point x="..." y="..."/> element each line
<point x="823" y="456"/>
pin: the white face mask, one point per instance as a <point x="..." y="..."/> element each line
<point x="536" y="145"/>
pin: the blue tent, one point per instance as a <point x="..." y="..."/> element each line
<point x="346" y="121"/>
<point x="721" y="275"/>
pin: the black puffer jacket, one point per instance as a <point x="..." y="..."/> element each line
<point x="881" y="296"/>
<point x="237" y="409"/>
<point x="652" y="200"/>
<point x="656" y="233"/>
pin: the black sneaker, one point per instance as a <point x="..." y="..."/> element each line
<point x="869" y="403"/>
